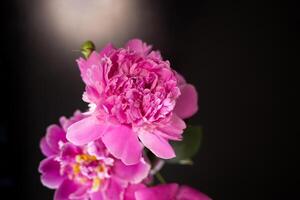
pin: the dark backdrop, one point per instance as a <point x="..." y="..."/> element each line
<point x="231" y="51"/>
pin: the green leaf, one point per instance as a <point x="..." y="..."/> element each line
<point x="87" y="48"/>
<point x="188" y="147"/>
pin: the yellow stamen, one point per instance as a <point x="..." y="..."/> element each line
<point x="96" y="184"/>
<point x="101" y="168"/>
<point x="76" y="169"/>
<point x="83" y="180"/>
<point x="85" y="158"/>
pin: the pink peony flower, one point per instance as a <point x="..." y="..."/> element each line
<point x="84" y="172"/>
<point x="135" y="97"/>
<point x="163" y="192"/>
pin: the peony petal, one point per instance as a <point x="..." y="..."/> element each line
<point x="97" y="195"/>
<point x="54" y="135"/>
<point x="97" y="148"/>
<point x="65" y="190"/>
<point x="159" y="192"/>
<point x="131" y="189"/>
<point x="69" y="151"/>
<point x="187" y="103"/>
<point x="138" y="46"/>
<point x="115" y="189"/>
<point x="46" y="150"/>
<point x="177" y="123"/>
<point x="132" y="173"/>
<point x="188" y="193"/>
<point x="180" y="79"/>
<point x="49" y="168"/>
<point x="94" y="69"/>
<point x="80" y="194"/>
<point x="107" y="50"/>
<point x="173" y="129"/>
<point x="85" y="131"/>
<point x="85" y="65"/>
<point x="90" y="95"/>
<point x="66" y="122"/>
<point x="157" y="144"/>
<point x="123" y="143"/>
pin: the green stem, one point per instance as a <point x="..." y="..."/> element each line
<point x="160" y="178"/>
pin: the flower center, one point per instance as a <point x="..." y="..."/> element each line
<point x="141" y="97"/>
<point x="87" y="170"/>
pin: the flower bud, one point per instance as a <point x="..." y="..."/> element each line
<point x="87" y="48"/>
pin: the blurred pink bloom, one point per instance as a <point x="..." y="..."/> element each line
<point x="135" y="97"/>
<point x="163" y="192"/>
<point x="84" y="172"/>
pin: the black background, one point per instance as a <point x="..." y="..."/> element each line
<point x="233" y="53"/>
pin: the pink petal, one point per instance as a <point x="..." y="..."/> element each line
<point x="157" y="144"/>
<point x="155" y="55"/>
<point x="85" y="65"/>
<point x="46" y="150"/>
<point x="160" y="192"/>
<point x="132" y="173"/>
<point x="96" y="148"/>
<point x="138" y="46"/>
<point x="115" y="189"/>
<point x="94" y="70"/>
<point x="54" y="135"/>
<point x="97" y="195"/>
<point x="85" y="131"/>
<point x="80" y="194"/>
<point x="49" y="168"/>
<point x="66" y="122"/>
<point x="177" y="123"/>
<point x="123" y="143"/>
<point x="173" y="129"/>
<point x="90" y="94"/>
<point x="109" y="48"/>
<point x="180" y="79"/>
<point x="131" y="189"/>
<point x="69" y="151"/>
<point x="187" y="103"/>
<point x="188" y="193"/>
<point x="65" y="190"/>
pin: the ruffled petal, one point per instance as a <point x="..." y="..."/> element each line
<point x="86" y="130"/>
<point x="138" y="46"/>
<point x="96" y="148"/>
<point x="188" y="193"/>
<point x="177" y="123"/>
<point x="49" y="168"/>
<point x="85" y="66"/>
<point x="54" y="135"/>
<point x="131" y="189"/>
<point x="187" y="103"/>
<point x="46" y="150"/>
<point x="80" y="194"/>
<point x="157" y="144"/>
<point x="180" y="79"/>
<point x="132" y="173"/>
<point x="174" y="129"/>
<point x="115" y="189"/>
<point x="160" y="192"/>
<point x="97" y="195"/>
<point x="123" y="143"/>
<point x="107" y="50"/>
<point x="66" y="122"/>
<point x="69" y="151"/>
<point x="65" y="190"/>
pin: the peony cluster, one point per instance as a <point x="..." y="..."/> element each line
<point x="136" y="102"/>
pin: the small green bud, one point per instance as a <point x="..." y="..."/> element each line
<point x="87" y="48"/>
